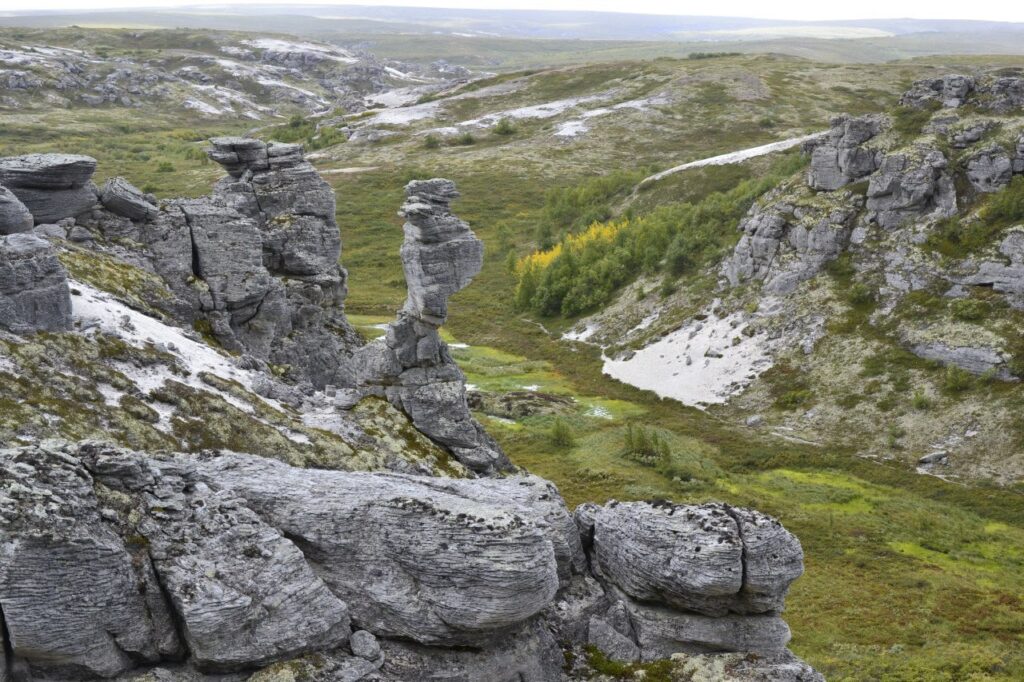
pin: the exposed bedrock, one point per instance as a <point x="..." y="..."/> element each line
<point x="111" y="559"/>
<point x="989" y="169"/>
<point x="913" y="183"/>
<point x="34" y="293"/>
<point x="949" y="91"/>
<point x="411" y="366"/>
<point x="51" y="186"/>
<point x="791" y="239"/>
<point x="840" y="157"/>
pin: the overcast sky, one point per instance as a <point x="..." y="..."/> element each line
<point x="996" y="10"/>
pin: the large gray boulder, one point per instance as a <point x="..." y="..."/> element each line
<point x="124" y="199"/>
<point x="840" y="157"/>
<point x="14" y="216"/>
<point x="949" y="91"/>
<point x="244" y="594"/>
<point x="710" y="559"/>
<point x="989" y="169"/>
<point x="34" y="293"/>
<point x="413" y="558"/>
<point x="76" y="600"/>
<point x="51" y="186"/>
<point x="911" y="184"/>
<point x="411" y="366"/>
<point x="1003" y="95"/>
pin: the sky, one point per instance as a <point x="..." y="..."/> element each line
<point x="807" y="10"/>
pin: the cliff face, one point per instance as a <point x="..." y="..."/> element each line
<point x="333" y="550"/>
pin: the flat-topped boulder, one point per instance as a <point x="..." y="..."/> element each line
<point x="47" y="171"/>
<point x="840" y="157"/>
<point x="949" y="91"/>
<point x="51" y="186"/>
<point x="34" y="293"/>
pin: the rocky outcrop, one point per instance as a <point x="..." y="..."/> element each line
<point x="989" y="169"/>
<point x="1001" y="95"/>
<point x="111" y="559"/>
<point x="840" y="157"/>
<point x="791" y="239"/>
<point x="949" y="91"/>
<point x="721" y="589"/>
<point x="51" y="186"/>
<point x="34" y="293"/>
<point x="410" y="365"/>
<point x="912" y="183"/>
<point x="1004" y="275"/>
<point x="77" y="600"/>
<point x="292" y="210"/>
<point x="122" y="198"/>
<point x="14" y="216"/>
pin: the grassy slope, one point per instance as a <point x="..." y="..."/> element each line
<point x="908" y="577"/>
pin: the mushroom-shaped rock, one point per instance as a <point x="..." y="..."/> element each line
<point x="76" y="601"/>
<point x="34" y="293"/>
<point x="14" y="216"/>
<point x="124" y="199"/>
<point x="411" y="365"/>
<point x="711" y="559"/>
<point x="51" y="186"/>
<point x="412" y="559"/>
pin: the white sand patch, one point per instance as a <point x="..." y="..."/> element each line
<point x="274" y="83"/>
<point x="113" y="317"/>
<point x="401" y="75"/>
<point x="458" y="346"/>
<point x="541" y="111"/>
<point x="703" y="362"/>
<point x="326" y="51"/>
<point x="644" y="323"/>
<point x="599" y="412"/>
<point x="532" y="387"/>
<point x="404" y="115"/>
<point x="347" y="171"/>
<point x="111" y="396"/>
<point x="202" y="107"/>
<point x="577" y="127"/>
<point x="581" y="334"/>
<point x="571" y="129"/>
<point x="399" y="97"/>
<point x="735" y="157"/>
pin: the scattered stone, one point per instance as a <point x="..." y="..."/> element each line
<point x="950" y="91"/>
<point x="364" y="645"/>
<point x="122" y="198"/>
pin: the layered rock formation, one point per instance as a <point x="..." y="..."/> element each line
<point x="790" y="240"/>
<point x="840" y="157"/>
<point x="411" y="365"/>
<point x="111" y="559"/>
<point x="1000" y="94"/>
<point x="14" y="215"/>
<point x="34" y="293"/>
<point x="911" y="184"/>
<point x="51" y="186"/>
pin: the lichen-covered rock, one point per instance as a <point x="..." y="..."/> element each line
<point x="989" y="169"/>
<point x="840" y="157"/>
<point x="34" y="293"/>
<point x="14" y="216"/>
<point x="413" y="557"/>
<point x="411" y="366"/>
<point x="790" y="240"/>
<point x="244" y="594"/>
<point x="911" y="184"/>
<point x="51" y="186"/>
<point x="1003" y="95"/>
<point x="293" y="211"/>
<point x="1004" y="275"/>
<point x="124" y="199"/>
<point x="975" y="359"/>
<point x="76" y="601"/>
<point x="949" y="91"/>
<point x="780" y="667"/>
<point x="710" y="559"/>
